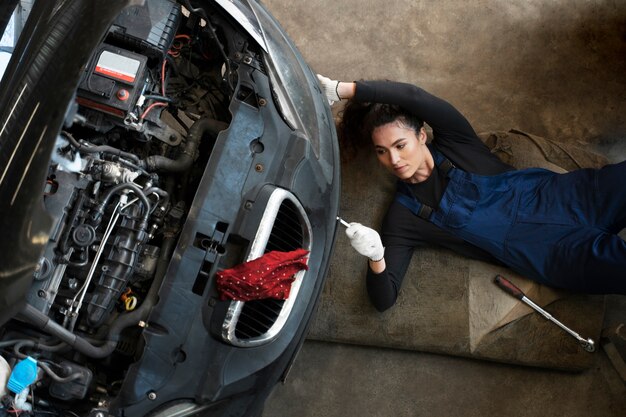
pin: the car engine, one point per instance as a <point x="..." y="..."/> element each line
<point x="148" y="109"/>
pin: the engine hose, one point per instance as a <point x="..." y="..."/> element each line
<point x="100" y="148"/>
<point x="184" y="161"/>
<point x="158" y="191"/>
<point x="32" y="343"/>
<point x="43" y="365"/>
<point x="82" y="345"/>
<point x="57" y="378"/>
<point x="38" y="346"/>
<point x="99" y="210"/>
<point x="164" y="196"/>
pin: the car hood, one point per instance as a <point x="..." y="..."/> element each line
<point x="241" y="11"/>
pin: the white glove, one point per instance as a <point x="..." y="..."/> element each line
<point x="329" y="87"/>
<point x="366" y="241"/>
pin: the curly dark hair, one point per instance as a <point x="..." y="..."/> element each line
<point x="358" y="121"/>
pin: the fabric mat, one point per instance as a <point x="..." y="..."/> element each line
<point x="448" y="303"/>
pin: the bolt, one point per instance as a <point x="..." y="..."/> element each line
<point x="262" y="102"/>
<point x="258" y="168"/>
<point x="247" y="60"/>
<point x="247" y="205"/>
<point x="152" y="396"/>
<point x="41" y="294"/>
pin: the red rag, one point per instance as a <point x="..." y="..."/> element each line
<point x="269" y="276"/>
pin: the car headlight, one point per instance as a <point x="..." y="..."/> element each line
<point x="290" y="83"/>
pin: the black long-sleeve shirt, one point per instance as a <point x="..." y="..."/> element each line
<point x="402" y="231"/>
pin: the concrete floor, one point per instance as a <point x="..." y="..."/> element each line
<point x="554" y="68"/>
<point x="338" y="380"/>
<point x="332" y="380"/>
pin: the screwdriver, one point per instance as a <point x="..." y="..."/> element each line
<point x="342" y="221"/>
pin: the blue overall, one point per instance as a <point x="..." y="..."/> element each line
<point x="558" y="229"/>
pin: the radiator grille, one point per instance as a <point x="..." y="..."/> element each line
<point x="255" y="322"/>
<point x="287" y="232"/>
<point x="257" y="317"/>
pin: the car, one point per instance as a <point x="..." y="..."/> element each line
<point x="145" y="148"/>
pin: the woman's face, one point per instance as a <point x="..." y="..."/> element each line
<point x="403" y="151"/>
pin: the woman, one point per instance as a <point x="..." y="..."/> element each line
<point x="557" y="229"/>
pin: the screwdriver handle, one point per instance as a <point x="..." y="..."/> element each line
<point x="509" y="287"/>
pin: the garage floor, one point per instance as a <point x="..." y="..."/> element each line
<point x="337" y="380"/>
<point x="555" y="68"/>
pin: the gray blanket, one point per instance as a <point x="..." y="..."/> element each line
<point x="449" y="304"/>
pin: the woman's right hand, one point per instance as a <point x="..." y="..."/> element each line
<point x="366" y="241"/>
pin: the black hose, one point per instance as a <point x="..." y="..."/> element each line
<point x="32" y="343"/>
<point x="99" y="210"/>
<point x="45" y="323"/>
<point x="57" y="378"/>
<point x="100" y="148"/>
<point x="184" y="161"/>
<point x="158" y="191"/>
<point x="43" y="365"/>
<point x="164" y="196"/>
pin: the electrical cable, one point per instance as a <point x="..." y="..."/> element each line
<point x="150" y="107"/>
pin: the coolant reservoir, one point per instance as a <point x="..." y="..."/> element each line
<point x="24" y="373"/>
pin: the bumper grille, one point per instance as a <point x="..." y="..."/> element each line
<point x="287" y="233"/>
<point x="257" y="317"/>
<point x="284" y="227"/>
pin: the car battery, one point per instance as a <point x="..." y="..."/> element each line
<point x="148" y="29"/>
<point x="113" y="81"/>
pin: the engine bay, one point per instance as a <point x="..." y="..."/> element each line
<point x="148" y="109"/>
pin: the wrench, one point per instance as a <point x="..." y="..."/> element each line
<point x="509" y="287"/>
